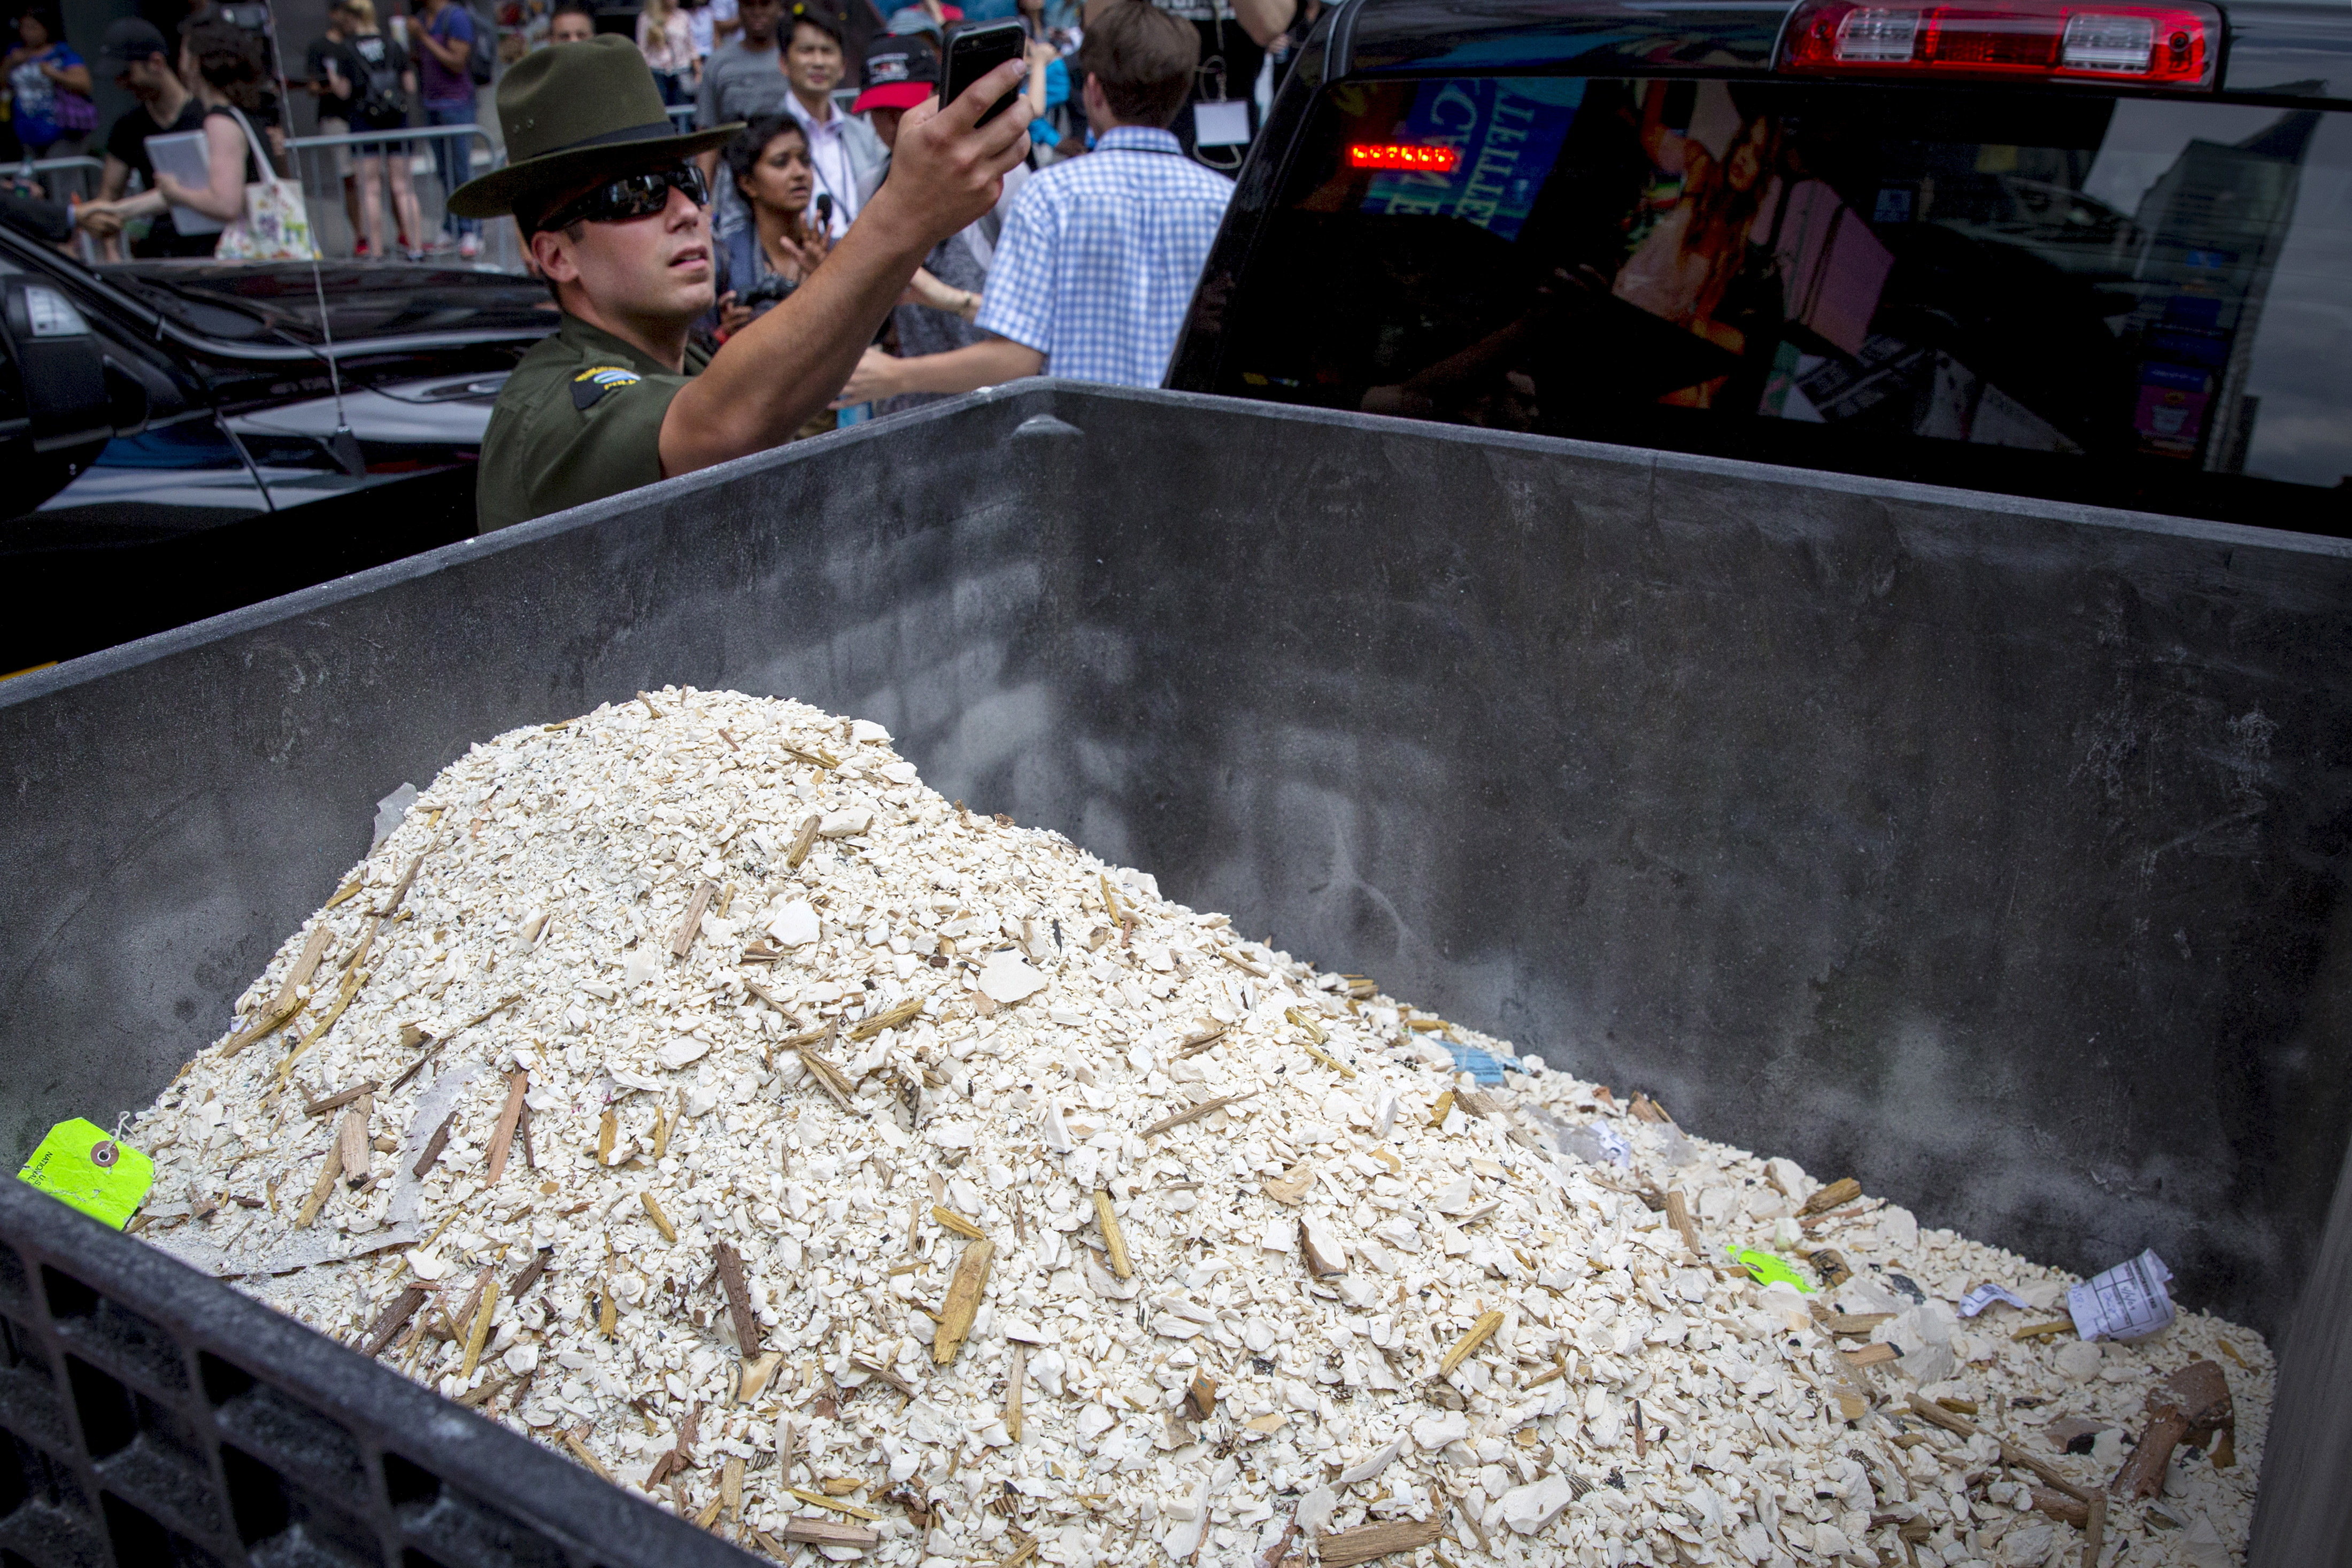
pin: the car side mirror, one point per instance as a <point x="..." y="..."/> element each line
<point x="63" y="405"/>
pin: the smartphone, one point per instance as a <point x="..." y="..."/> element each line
<point x="976" y="49"/>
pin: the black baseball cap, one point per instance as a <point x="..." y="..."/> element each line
<point x="901" y="71"/>
<point x="131" y="39"/>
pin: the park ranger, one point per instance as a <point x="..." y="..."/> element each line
<point x="617" y="219"/>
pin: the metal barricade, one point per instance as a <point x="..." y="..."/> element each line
<point x="62" y="179"/>
<point x="324" y="164"/>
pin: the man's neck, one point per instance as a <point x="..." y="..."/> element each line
<point x="751" y="46"/>
<point x="169" y="104"/>
<point x="818" y="104"/>
<point x="661" y="341"/>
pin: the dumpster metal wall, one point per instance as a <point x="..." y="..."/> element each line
<point x="1991" y="850"/>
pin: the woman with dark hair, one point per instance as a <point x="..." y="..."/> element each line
<point x="48" y="87"/>
<point x="774" y="254"/>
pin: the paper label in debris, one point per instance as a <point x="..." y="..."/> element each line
<point x="1596" y="1145"/>
<point x="389" y="811"/>
<point x="2126" y="1302"/>
<point x="78" y="1165"/>
<point x="1985" y="1295"/>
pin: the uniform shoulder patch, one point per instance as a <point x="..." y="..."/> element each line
<point x="590" y="385"/>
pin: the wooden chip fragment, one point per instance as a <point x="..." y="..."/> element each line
<point x="330" y="1168"/>
<point x="400" y="889"/>
<point x="1293" y="1185"/>
<point x="435" y="1145"/>
<point x="1206" y="1107"/>
<point x="1016" y="1377"/>
<point x="1844" y="1190"/>
<point x="821" y="1500"/>
<point x="2042" y="1331"/>
<point x="336" y="1102"/>
<point x="1852" y="1325"/>
<point x="1928" y="1410"/>
<point x="608" y="1131"/>
<point x="964" y="1292"/>
<point x="348" y="891"/>
<point x="826" y="1533"/>
<point x="392" y="1319"/>
<point x="1869" y="1356"/>
<point x="276" y="1015"/>
<point x="1201" y="1397"/>
<point x="730" y="1485"/>
<point x="689" y="925"/>
<point x="757" y="1375"/>
<point x="1480" y="1333"/>
<point x="1645" y="1109"/>
<point x="661" y="1221"/>
<point x="352" y="984"/>
<point x="433" y="1047"/>
<point x="494" y="1158"/>
<point x="1344" y="1548"/>
<point x="1106" y="1220"/>
<point x="479" y="1334"/>
<point x="903" y="1013"/>
<point x="354" y="1138"/>
<point x="531" y="1274"/>
<point x="580" y="1451"/>
<point x="1313" y="1031"/>
<point x="739" y="1299"/>
<point x="1678" y="1215"/>
<point x="1195" y="1044"/>
<point x="803" y="842"/>
<point x="650" y="704"/>
<point x="1443" y="1108"/>
<point x="1238" y="962"/>
<point x="1327" y="1059"/>
<point x="958" y="1223"/>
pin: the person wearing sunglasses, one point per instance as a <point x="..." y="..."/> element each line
<point x="616" y="216"/>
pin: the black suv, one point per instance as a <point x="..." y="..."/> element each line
<point x="2094" y="252"/>
<point x="169" y="431"/>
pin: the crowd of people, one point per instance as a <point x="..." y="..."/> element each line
<point x="797" y="182"/>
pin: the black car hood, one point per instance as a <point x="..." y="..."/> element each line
<point x="277" y="303"/>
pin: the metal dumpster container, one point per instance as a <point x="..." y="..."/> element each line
<point x="1990" y="849"/>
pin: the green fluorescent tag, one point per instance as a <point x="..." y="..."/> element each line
<point x="1766" y="1269"/>
<point x="80" y="1165"/>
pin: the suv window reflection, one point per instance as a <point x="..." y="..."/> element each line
<point x="2131" y="301"/>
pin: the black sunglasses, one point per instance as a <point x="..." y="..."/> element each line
<point x="630" y="196"/>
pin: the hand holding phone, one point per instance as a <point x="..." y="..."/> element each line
<point x="976" y="49"/>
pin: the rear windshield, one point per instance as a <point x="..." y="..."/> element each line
<point x="2127" y="301"/>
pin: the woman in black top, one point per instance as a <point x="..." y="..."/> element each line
<point x="384" y="82"/>
<point x="226" y="65"/>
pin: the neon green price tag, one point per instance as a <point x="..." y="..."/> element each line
<point x="1766" y="1269"/>
<point x="80" y="1165"/>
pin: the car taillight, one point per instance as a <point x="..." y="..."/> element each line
<point x="1419" y="157"/>
<point x="2160" y="46"/>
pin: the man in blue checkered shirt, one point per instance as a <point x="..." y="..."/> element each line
<point x="1097" y="262"/>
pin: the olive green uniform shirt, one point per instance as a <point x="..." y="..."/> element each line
<point x="579" y="420"/>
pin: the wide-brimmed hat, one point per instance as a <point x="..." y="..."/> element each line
<point x="900" y="72"/>
<point x="571" y="113"/>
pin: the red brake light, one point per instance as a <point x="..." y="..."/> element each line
<point x="1420" y="158"/>
<point x="2170" y="45"/>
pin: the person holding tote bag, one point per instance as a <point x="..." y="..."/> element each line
<point x="265" y="214"/>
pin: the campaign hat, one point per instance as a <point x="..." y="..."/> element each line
<point x="573" y="113"/>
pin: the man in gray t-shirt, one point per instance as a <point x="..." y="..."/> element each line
<point x="742" y="80"/>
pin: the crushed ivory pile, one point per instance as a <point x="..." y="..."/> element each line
<point x="687" y="1086"/>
